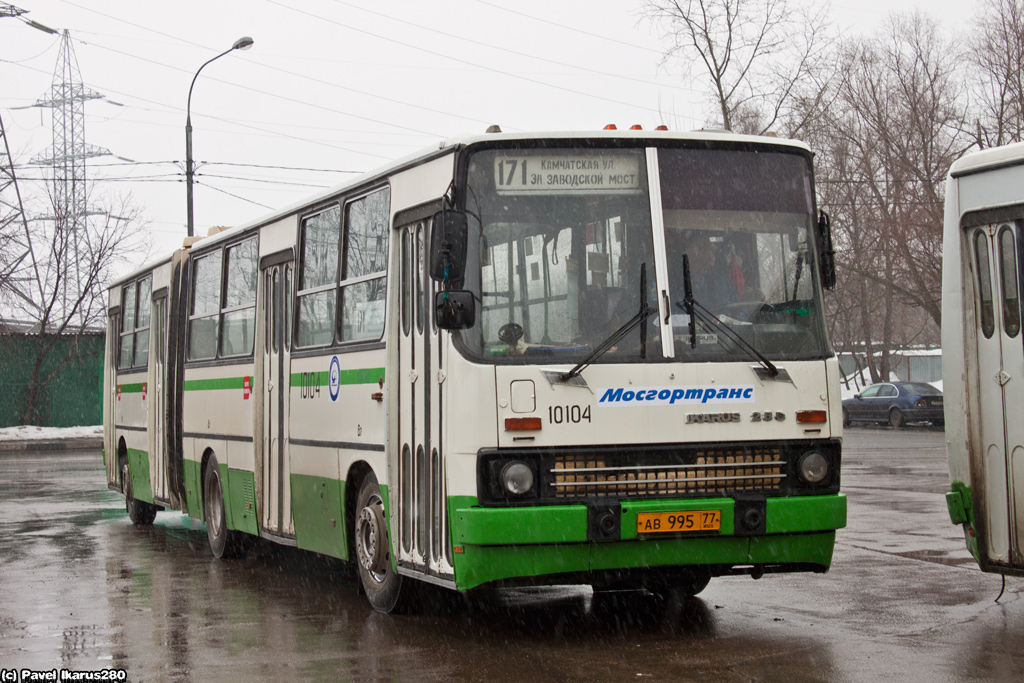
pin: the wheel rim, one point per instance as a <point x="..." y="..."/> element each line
<point x="371" y="543"/>
<point x="214" y="513"/>
<point x="896" y="418"/>
<point x="126" y="488"/>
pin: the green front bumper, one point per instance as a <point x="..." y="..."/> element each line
<point x="507" y="543"/>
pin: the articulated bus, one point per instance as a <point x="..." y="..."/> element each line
<point x="569" y="358"/>
<point x="983" y="354"/>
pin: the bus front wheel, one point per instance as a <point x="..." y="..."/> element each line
<point x="139" y="511"/>
<point x="380" y="581"/>
<point x="224" y="543"/>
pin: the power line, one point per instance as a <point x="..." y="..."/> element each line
<point x="571" y="28"/>
<point x="510" y="51"/>
<point x="462" y="61"/>
<point x="285" y="71"/>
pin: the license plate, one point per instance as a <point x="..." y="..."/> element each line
<point x="678" y="522"/>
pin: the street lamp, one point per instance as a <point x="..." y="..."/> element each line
<point x="243" y="43"/>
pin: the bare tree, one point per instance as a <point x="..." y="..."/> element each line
<point x="86" y="259"/>
<point x="761" y="57"/>
<point x="997" y="53"/>
<point x="898" y="123"/>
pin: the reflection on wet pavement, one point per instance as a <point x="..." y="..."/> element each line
<point x="82" y="588"/>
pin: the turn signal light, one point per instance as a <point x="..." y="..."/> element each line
<point x="811" y="416"/>
<point x="521" y="424"/>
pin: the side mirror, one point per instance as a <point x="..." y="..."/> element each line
<point x="856" y="396"/>
<point x="827" y="256"/>
<point x="448" y="245"/>
<point x="454" y="310"/>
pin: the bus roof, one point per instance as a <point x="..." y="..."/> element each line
<point x="454" y="143"/>
<point x="986" y="159"/>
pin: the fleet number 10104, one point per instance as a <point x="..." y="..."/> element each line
<point x="570" y="414"/>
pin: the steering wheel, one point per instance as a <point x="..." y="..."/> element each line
<point x="510" y="333"/>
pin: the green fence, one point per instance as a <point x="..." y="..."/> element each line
<point x="70" y="399"/>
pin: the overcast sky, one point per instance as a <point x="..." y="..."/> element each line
<point x="336" y="86"/>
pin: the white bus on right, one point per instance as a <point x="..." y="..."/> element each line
<point x="983" y="354"/>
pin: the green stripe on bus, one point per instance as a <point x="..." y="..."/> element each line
<point x="131" y="388"/>
<point x="213" y="384"/>
<point x="321" y="379"/>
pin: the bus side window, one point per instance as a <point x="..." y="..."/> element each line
<point x="238" y="318"/>
<point x="318" y="276"/>
<point x="203" y="322"/>
<point x="364" y="266"/>
<point x="984" y="283"/>
<point x="1008" y="277"/>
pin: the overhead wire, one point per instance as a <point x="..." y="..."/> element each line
<point x="570" y="28"/>
<point x="461" y="61"/>
<point x="492" y="46"/>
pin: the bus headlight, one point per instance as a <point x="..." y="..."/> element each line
<point x="813" y="467"/>
<point x="517" y="478"/>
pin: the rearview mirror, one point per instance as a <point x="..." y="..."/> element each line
<point x="827" y="256"/>
<point x="454" y="310"/>
<point x="448" y="245"/>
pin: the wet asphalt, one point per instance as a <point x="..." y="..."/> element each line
<point x="82" y="589"/>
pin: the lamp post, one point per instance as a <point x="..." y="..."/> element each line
<point x="243" y="43"/>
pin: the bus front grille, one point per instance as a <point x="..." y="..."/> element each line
<point x="711" y="472"/>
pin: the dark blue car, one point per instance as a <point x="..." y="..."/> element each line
<point x="895" y="403"/>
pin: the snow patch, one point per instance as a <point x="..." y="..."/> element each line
<point x="30" y="433"/>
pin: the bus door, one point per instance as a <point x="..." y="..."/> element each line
<point x="422" y="482"/>
<point x="276" y="515"/>
<point x="995" y="254"/>
<point x="158" y="400"/>
<point x="110" y="419"/>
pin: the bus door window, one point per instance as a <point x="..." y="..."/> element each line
<point x="984" y="271"/>
<point x="1008" y="277"/>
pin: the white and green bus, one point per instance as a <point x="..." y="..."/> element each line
<point x="983" y="354"/>
<point x="591" y="358"/>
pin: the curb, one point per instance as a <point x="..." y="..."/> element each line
<point x="35" y="445"/>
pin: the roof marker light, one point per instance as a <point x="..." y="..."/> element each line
<point x="662" y="127"/>
<point x="611" y="126"/>
<point x="636" y="126"/>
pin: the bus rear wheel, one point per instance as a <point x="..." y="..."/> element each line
<point x="225" y="543"/>
<point x="381" y="583"/>
<point x="139" y="511"/>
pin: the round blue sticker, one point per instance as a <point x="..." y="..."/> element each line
<point x="334" y="379"/>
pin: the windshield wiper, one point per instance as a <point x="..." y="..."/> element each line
<point x="646" y="311"/>
<point x="694" y="309"/>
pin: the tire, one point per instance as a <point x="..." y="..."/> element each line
<point x="139" y="511"/>
<point x="846" y="418"/>
<point x="224" y="543"/>
<point x="896" y="418"/>
<point x="686" y="585"/>
<point x="382" y="584"/>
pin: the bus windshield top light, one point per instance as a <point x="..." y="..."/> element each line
<point x="517" y="478"/>
<point x="811" y="416"/>
<point x="813" y="467"/>
<point x="522" y="424"/>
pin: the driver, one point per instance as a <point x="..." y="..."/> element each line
<point x="709" y="272"/>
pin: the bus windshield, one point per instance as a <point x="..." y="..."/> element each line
<point x="562" y="253"/>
